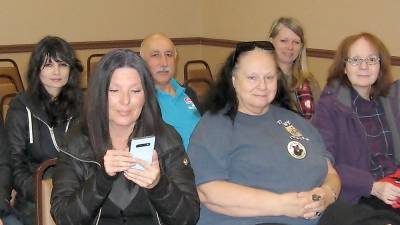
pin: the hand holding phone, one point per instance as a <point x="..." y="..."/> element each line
<point x="142" y="148"/>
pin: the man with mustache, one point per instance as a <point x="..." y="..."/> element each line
<point x="179" y="105"/>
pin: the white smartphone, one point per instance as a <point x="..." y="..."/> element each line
<point x="142" y="148"/>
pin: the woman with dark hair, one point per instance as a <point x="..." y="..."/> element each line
<point x="288" y="37"/>
<point x="38" y="119"/>
<point x="358" y="117"/>
<point x="94" y="182"/>
<point x="265" y="164"/>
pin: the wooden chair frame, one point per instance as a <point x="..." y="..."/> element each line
<point x="17" y="80"/>
<point x="38" y="187"/>
<point x="88" y="63"/>
<point x="3" y="98"/>
<point x="191" y="62"/>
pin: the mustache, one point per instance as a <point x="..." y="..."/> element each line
<point x="165" y="69"/>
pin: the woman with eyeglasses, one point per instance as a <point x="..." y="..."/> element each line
<point x="358" y="117"/>
<point x="39" y="118"/>
<point x="287" y="35"/>
<point x="255" y="161"/>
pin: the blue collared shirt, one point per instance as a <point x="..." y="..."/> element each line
<point x="178" y="111"/>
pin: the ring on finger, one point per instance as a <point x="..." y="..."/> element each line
<point x="316" y="197"/>
<point x="317" y="213"/>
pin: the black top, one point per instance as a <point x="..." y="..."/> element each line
<point x="84" y="193"/>
<point x="5" y="173"/>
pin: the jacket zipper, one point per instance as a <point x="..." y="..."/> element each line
<point x="85" y="161"/>
<point x="53" y="139"/>
<point x="82" y="160"/>
<point x="98" y="216"/>
<point x="158" y="217"/>
<point x="154" y="211"/>
<point x="51" y="130"/>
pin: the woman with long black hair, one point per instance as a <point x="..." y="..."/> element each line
<point x="38" y="119"/>
<point x="94" y="180"/>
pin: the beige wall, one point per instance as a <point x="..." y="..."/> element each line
<point x="185" y="53"/>
<point x="326" y="23"/>
<point x="97" y="20"/>
<point x="101" y="20"/>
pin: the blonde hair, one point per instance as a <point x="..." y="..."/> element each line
<point x="300" y="71"/>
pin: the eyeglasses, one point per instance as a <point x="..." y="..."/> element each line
<point x="370" y="60"/>
<point x="250" y="45"/>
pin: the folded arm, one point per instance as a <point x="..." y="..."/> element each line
<point x="242" y="201"/>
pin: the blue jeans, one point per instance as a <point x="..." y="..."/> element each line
<point x="11" y="219"/>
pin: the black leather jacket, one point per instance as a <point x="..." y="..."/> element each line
<point x="81" y="185"/>
<point x="31" y="142"/>
<point x="5" y="173"/>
